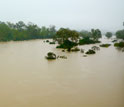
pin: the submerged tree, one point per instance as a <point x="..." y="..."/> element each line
<point x="85" y="34"/>
<point x="67" y="38"/>
<point x="108" y="34"/>
<point x="90" y="37"/>
<point x="66" y="34"/>
<point x="96" y="34"/>
<point x="120" y="34"/>
<point x="51" y="55"/>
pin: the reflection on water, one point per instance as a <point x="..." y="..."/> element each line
<point x="27" y="79"/>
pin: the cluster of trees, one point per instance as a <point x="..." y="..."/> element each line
<point x="69" y="38"/>
<point x="95" y="34"/>
<point x="21" y="31"/>
<point x="108" y="34"/>
<point x="120" y="34"/>
<point x="66" y="38"/>
<point x="90" y="37"/>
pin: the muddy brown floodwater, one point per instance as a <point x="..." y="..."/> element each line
<point x="27" y="79"/>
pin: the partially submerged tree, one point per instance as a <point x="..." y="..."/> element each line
<point x="105" y="45"/>
<point x="96" y="34"/>
<point x="66" y="38"/>
<point x="108" y="34"/>
<point x="90" y="37"/>
<point x="90" y="51"/>
<point x="120" y="34"/>
<point x="120" y="44"/>
<point x="51" y="55"/>
<point x="85" y="34"/>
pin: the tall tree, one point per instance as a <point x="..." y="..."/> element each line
<point x="95" y="34"/>
<point x="108" y="34"/>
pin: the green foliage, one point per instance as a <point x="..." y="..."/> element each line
<point x="120" y="44"/>
<point x="66" y="34"/>
<point x="114" y="41"/>
<point x="95" y="34"/>
<point x="87" y="40"/>
<point x="90" y="37"/>
<point x="66" y="38"/>
<point x="85" y="34"/>
<point x="51" y="55"/>
<point x="108" y="34"/>
<point x="67" y="44"/>
<point x="105" y="45"/>
<point x="120" y="34"/>
<point x="47" y="41"/>
<point x="90" y="52"/>
<point x="21" y="31"/>
<point x="52" y="42"/>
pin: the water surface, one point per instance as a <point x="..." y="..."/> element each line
<point x="27" y="79"/>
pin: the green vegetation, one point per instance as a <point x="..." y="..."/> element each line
<point x="76" y="49"/>
<point x="96" y="34"/>
<point x="52" y="43"/>
<point x="90" y="37"/>
<point x="90" y="51"/>
<point x="114" y="40"/>
<point x="21" y="31"/>
<point x="51" y="55"/>
<point x="67" y="44"/>
<point x="120" y="44"/>
<point x="85" y="34"/>
<point x="105" y="45"/>
<point x="87" y="40"/>
<point x="108" y="34"/>
<point x="120" y="34"/>
<point x="66" y="38"/>
<point x="47" y="41"/>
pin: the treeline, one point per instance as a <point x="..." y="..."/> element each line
<point x="21" y="31"/>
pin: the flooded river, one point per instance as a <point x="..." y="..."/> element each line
<point x="27" y="79"/>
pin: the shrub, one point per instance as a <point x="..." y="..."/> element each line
<point x="75" y="49"/>
<point x="105" y="45"/>
<point x="47" y="40"/>
<point x="52" y="42"/>
<point x="87" y="40"/>
<point x="90" y="52"/>
<point x="51" y="55"/>
<point x="120" y="44"/>
<point x="67" y="45"/>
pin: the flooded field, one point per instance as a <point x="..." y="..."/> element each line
<point x="27" y="79"/>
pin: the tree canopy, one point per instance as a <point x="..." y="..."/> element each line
<point x="108" y="34"/>
<point x="120" y="34"/>
<point x="95" y="34"/>
<point x="67" y="38"/>
<point x="21" y="31"/>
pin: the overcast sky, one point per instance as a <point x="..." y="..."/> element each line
<point x="75" y="14"/>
